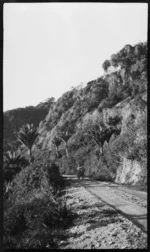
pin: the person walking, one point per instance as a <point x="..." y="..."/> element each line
<point x="80" y="172"/>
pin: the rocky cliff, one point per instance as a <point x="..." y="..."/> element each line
<point x="102" y="126"/>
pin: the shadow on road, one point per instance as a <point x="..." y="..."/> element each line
<point x="121" y="206"/>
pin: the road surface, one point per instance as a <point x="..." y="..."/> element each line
<point x="128" y="202"/>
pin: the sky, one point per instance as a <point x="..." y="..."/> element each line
<point x="51" y="47"/>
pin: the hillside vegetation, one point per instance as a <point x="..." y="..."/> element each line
<point x="103" y="126"/>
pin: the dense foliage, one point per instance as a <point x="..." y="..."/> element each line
<point x="35" y="213"/>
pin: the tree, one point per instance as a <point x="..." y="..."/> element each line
<point x="48" y="103"/>
<point x="27" y="135"/>
<point x="106" y="65"/>
<point x="97" y="133"/>
<point x="101" y="133"/>
<point x="114" y="121"/>
<point x="56" y="141"/>
<point x="65" y="132"/>
<point x="110" y="131"/>
<point x="65" y="137"/>
<point x="13" y="162"/>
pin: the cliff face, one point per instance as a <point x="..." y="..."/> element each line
<point x="133" y="165"/>
<point x="131" y="172"/>
<point x="102" y="126"/>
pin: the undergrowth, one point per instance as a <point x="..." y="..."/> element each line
<point x="35" y="210"/>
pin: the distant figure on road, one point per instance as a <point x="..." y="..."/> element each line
<point x="80" y="172"/>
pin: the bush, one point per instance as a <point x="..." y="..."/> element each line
<point x="138" y="151"/>
<point x="32" y="224"/>
<point x="108" y="103"/>
<point x="14" y="220"/>
<point x="25" y="183"/>
<point x="33" y="217"/>
<point x="129" y="144"/>
<point x="54" y="177"/>
<point x="106" y="65"/>
<point x="91" y="164"/>
<point x="103" y="175"/>
<point x="30" y="180"/>
<point x="13" y="163"/>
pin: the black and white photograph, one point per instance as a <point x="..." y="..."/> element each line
<point x="75" y="125"/>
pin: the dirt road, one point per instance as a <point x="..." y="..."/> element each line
<point x="132" y="204"/>
<point x="108" y="216"/>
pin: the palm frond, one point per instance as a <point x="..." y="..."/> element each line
<point x="27" y="135"/>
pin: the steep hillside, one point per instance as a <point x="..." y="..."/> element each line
<point x="103" y="125"/>
<point x="15" y="118"/>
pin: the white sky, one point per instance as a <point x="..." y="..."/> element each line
<point x="50" y="47"/>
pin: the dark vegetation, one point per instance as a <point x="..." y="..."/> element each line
<point x="35" y="210"/>
<point x="34" y="215"/>
<point x="89" y="127"/>
<point x="16" y="118"/>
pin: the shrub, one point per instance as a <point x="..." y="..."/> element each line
<point x="91" y="163"/>
<point x="103" y="175"/>
<point x="54" y="177"/>
<point x="108" y="103"/>
<point x="14" y="220"/>
<point x="41" y="173"/>
<point x="32" y="224"/>
<point x="33" y="217"/>
<point x="127" y="145"/>
<point x="13" y="163"/>
<point x="25" y="183"/>
<point x="106" y="65"/>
